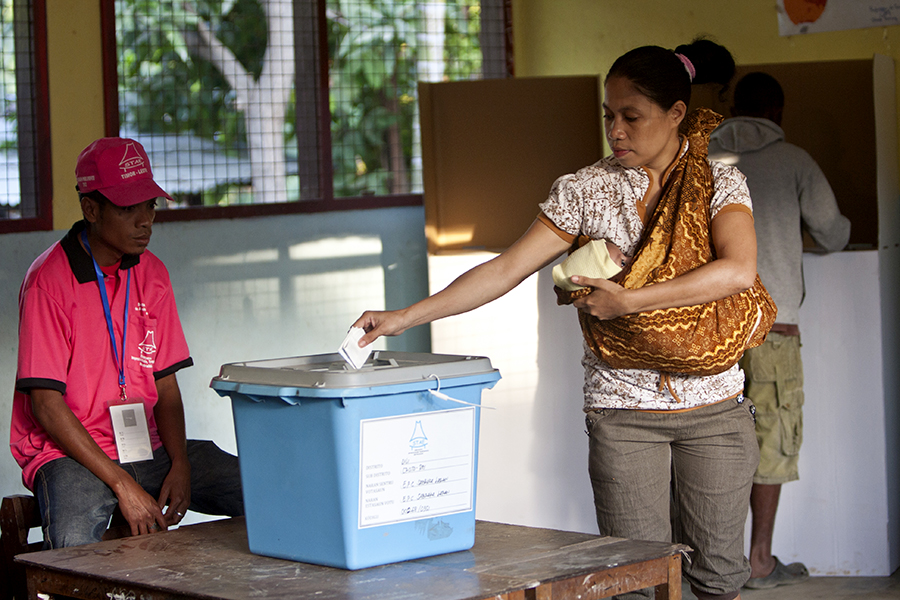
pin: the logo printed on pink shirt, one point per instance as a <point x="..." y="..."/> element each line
<point x="148" y="351"/>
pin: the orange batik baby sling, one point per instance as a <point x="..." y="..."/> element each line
<point x="703" y="339"/>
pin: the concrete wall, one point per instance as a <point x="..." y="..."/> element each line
<point x="533" y="456"/>
<point x="250" y="289"/>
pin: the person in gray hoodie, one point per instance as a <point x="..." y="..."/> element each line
<point x="789" y="193"/>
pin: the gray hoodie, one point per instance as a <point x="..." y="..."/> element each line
<point x="788" y="190"/>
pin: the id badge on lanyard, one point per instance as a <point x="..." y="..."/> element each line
<point x="129" y="420"/>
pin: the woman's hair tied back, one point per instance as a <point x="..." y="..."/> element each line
<point x="665" y="76"/>
<point x="688" y="65"/>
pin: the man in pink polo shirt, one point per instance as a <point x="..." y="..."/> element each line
<point x="97" y="419"/>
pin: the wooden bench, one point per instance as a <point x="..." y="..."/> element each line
<point x="20" y="514"/>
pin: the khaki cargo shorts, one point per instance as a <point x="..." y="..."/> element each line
<point x="774" y="383"/>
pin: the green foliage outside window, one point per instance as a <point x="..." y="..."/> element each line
<point x="168" y="83"/>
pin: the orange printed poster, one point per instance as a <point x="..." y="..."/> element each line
<point x="797" y="17"/>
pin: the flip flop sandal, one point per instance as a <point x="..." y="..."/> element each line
<point x="780" y="575"/>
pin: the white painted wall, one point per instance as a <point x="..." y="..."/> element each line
<point x="283" y="286"/>
<point x="533" y="454"/>
<point x="251" y="289"/>
<point x="532" y="467"/>
<point x="835" y="518"/>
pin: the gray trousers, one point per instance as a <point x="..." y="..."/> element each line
<point x="679" y="477"/>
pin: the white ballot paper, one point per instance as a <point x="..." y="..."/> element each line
<point x="350" y="350"/>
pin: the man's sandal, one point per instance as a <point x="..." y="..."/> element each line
<point x="780" y="575"/>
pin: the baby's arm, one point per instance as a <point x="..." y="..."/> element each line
<point x="615" y="254"/>
<point x="595" y="259"/>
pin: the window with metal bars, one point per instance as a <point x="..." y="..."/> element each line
<point x="304" y="104"/>
<point x="25" y="195"/>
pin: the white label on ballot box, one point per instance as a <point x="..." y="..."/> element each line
<point x="416" y="466"/>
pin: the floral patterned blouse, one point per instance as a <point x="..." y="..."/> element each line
<point x="607" y="201"/>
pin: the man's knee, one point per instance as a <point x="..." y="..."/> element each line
<point x="75" y="531"/>
<point x="75" y="505"/>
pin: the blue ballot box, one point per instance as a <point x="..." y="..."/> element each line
<point x="356" y="468"/>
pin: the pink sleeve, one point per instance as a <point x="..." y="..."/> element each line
<point x="45" y="341"/>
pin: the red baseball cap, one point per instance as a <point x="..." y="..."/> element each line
<point x="119" y="169"/>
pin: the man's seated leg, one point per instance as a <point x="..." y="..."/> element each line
<point x="75" y="505"/>
<point x="215" y="478"/>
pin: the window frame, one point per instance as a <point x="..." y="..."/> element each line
<point x="42" y="180"/>
<point x="310" y="21"/>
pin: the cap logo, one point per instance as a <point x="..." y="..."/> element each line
<point x="132" y="163"/>
<point x="120" y="169"/>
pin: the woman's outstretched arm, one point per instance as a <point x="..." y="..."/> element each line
<point x="537" y="248"/>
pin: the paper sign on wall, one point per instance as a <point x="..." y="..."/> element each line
<point x="416" y="466"/>
<point x="817" y="16"/>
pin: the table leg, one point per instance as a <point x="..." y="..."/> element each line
<point x="32" y="588"/>
<point x="541" y="592"/>
<point x="671" y="590"/>
<point x="664" y="574"/>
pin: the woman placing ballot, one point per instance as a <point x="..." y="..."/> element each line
<point x="654" y="410"/>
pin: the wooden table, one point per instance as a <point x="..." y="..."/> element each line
<point x="211" y="561"/>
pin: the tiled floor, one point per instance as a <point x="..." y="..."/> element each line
<point x="827" y="588"/>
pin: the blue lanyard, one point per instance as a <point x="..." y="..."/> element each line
<point x="120" y="364"/>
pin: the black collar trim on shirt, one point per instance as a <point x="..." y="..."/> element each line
<point x="80" y="261"/>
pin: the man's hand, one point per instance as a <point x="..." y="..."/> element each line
<point x="169" y="413"/>
<point x="176" y="492"/>
<point x="139" y="508"/>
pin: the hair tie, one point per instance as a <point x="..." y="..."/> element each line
<point x="688" y="65"/>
